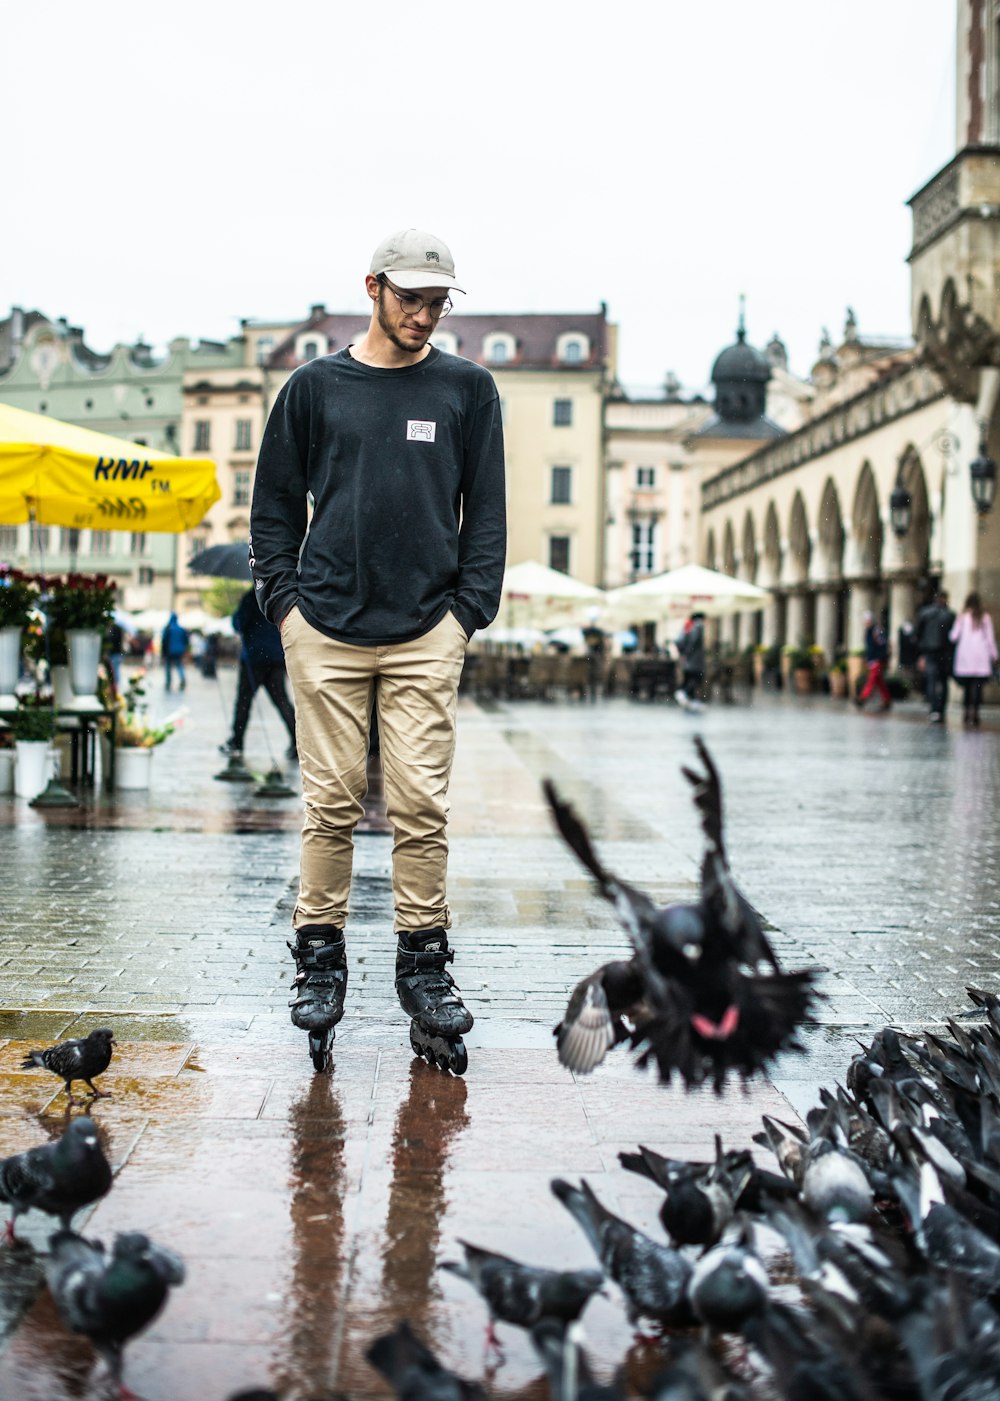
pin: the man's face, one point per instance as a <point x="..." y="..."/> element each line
<point x="408" y="330"/>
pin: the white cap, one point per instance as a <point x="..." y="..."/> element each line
<point x="415" y="258"/>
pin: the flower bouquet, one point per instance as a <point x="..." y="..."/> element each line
<point x="78" y="601"/>
<point x="131" y="729"/>
<point x="18" y="598"/>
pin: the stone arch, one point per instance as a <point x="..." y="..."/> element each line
<point x="729" y="550"/>
<point x="914" y="548"/>
<point x="748" y="550"/>
<point x="710" y="550"/>
<point x="799" y="544"/>
<point x="866" y="525"/>
<point x="830" y="534"/>
<point x="771" y="554"/>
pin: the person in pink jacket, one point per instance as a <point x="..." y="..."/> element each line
<point x="975" y="654"/>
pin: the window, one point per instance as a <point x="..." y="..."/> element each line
<point x="265" y="344"/>
<point x="562" y="479"/>
<point x="499" y="348"/>
<point x="645" y="477"/>
<point x="144" y="575"/>
<point x="559" y="553"/>
<point x="562" y="413"/>
<point x="572" y="348"/>
<point x="643" y="546"/>
<point x="38" y="538"/>
<point x="446" y="341"/>
<point x="69" y="541"/>
<point x="100" y="542"/>
<point x="241" y="487"/>
<point x="137" y="543"/>
<point x="202" y="437"/>
<point x="243" y="429"/>
<point x="309" y="350"/>
<point x="309" y="345"/>
<point x="8" y="540"/>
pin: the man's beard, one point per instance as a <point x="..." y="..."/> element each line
<point x="388" y="331"/>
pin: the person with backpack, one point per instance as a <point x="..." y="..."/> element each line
<point x="174" y="645"/>
<point x="934" y="622"/>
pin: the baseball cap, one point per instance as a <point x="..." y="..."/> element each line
<point x="415" y="258"/>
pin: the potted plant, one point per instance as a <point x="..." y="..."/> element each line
<point x="134" y="739"/>
<point x="838" y="677"/>
<point x="80" y="608"/>
<point x="18" y="600"/>
<point x="802" y="666"/>
<point x="767" y="664"/>
<point x="33" y="726"/>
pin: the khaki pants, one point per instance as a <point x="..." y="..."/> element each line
<point x="414" y="687"/>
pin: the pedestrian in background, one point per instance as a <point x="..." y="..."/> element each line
<point x="876" y="657"/>
<point x="174" y="645"/>
<point x="932" y="635"/>
<point x="691" y="647"/>
<point x="262" y="663"/>
<point x="975" y="654"/>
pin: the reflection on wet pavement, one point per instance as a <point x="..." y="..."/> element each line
<point x="313" y="1212"/>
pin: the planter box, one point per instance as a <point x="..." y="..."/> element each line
<point x="803" y="680"/>
<point x="838" y="684"/>
<point x="133" y="767"/>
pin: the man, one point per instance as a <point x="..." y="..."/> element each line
<point x="691" y="646"/>
<point x="262" y="663"/>
<point x="399" y="447"/>
<point x="174" y="643"/>
<point x="934" y="623"/>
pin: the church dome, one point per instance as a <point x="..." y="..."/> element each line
<point x="741" y="362"/>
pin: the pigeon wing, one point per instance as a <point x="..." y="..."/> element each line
<point x="587" y="1030"/>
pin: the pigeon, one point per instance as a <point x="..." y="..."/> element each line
<point x="110" y="1300"/>
<point x="595" y="1017"/>
<point x="80" y="1059"/>
<point x="728" y="1285"/>
<point x="653" y="1277"/>
<point x="700" y="1197"/>
<point x="714" y="999"/>
<point x="414" y="1373"/>
<point x="58" y="1178"/>
<point x="524" y="1294"/>
<point x="570" y="1378"/>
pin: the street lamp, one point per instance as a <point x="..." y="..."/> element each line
<point x="900" y="509"/>
<point x="983" y="480"/>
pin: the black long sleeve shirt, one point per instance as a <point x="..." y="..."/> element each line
<point x="405" y="469"/>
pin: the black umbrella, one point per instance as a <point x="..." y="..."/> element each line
<point x="223" y="561"/>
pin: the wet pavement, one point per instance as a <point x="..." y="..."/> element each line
<point x="313" y="1211"/>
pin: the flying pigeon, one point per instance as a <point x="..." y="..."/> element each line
<point x="58" y="1178"/>
<point x="80" y="1059"/>
<point x="414" y="1373"/>
<point x="714" y="999"/>
<point x="653" y="1277"/>
<point x="595" y="1018"/>
<point x="524" y="1294"/>
<point x="110" y="1300"/>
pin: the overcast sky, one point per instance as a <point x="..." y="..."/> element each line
<point x="172" y="168"/>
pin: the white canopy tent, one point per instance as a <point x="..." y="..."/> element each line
<point x="680" y="592"/>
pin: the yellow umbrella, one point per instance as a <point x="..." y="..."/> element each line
<point x="57" y="474"/>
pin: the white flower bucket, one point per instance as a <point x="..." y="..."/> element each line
<point x="6" y="772"/>
<point x="62" y="691"/>
<point x="10" y="665"/>
<point x="133" y="767"/>
<point x="84" y="658"/>
<point x="32" y="767"/>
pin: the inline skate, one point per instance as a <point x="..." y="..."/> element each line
<point x="320" y="986"/>
<point x="428" y="994"/>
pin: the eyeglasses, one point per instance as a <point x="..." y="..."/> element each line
<point x="411" y="305"/>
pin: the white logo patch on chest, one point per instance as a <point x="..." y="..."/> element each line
<point x="420" y="430"/>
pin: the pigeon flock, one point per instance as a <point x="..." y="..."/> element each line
<point x="852" y="1258"/>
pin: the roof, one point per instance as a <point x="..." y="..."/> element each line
<point x="536" y="335"/>
<point x="741" y="362"/>
<point x="762" y="427"/>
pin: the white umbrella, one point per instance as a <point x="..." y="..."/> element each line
<point x="533" y="593"/>
<point x="679" y="592"/>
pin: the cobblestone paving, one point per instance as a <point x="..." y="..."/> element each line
<point x="313" y="1210"/>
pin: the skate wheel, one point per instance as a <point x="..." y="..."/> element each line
<point x="459" y="1061"/>
<point x="320" y="1043"/>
